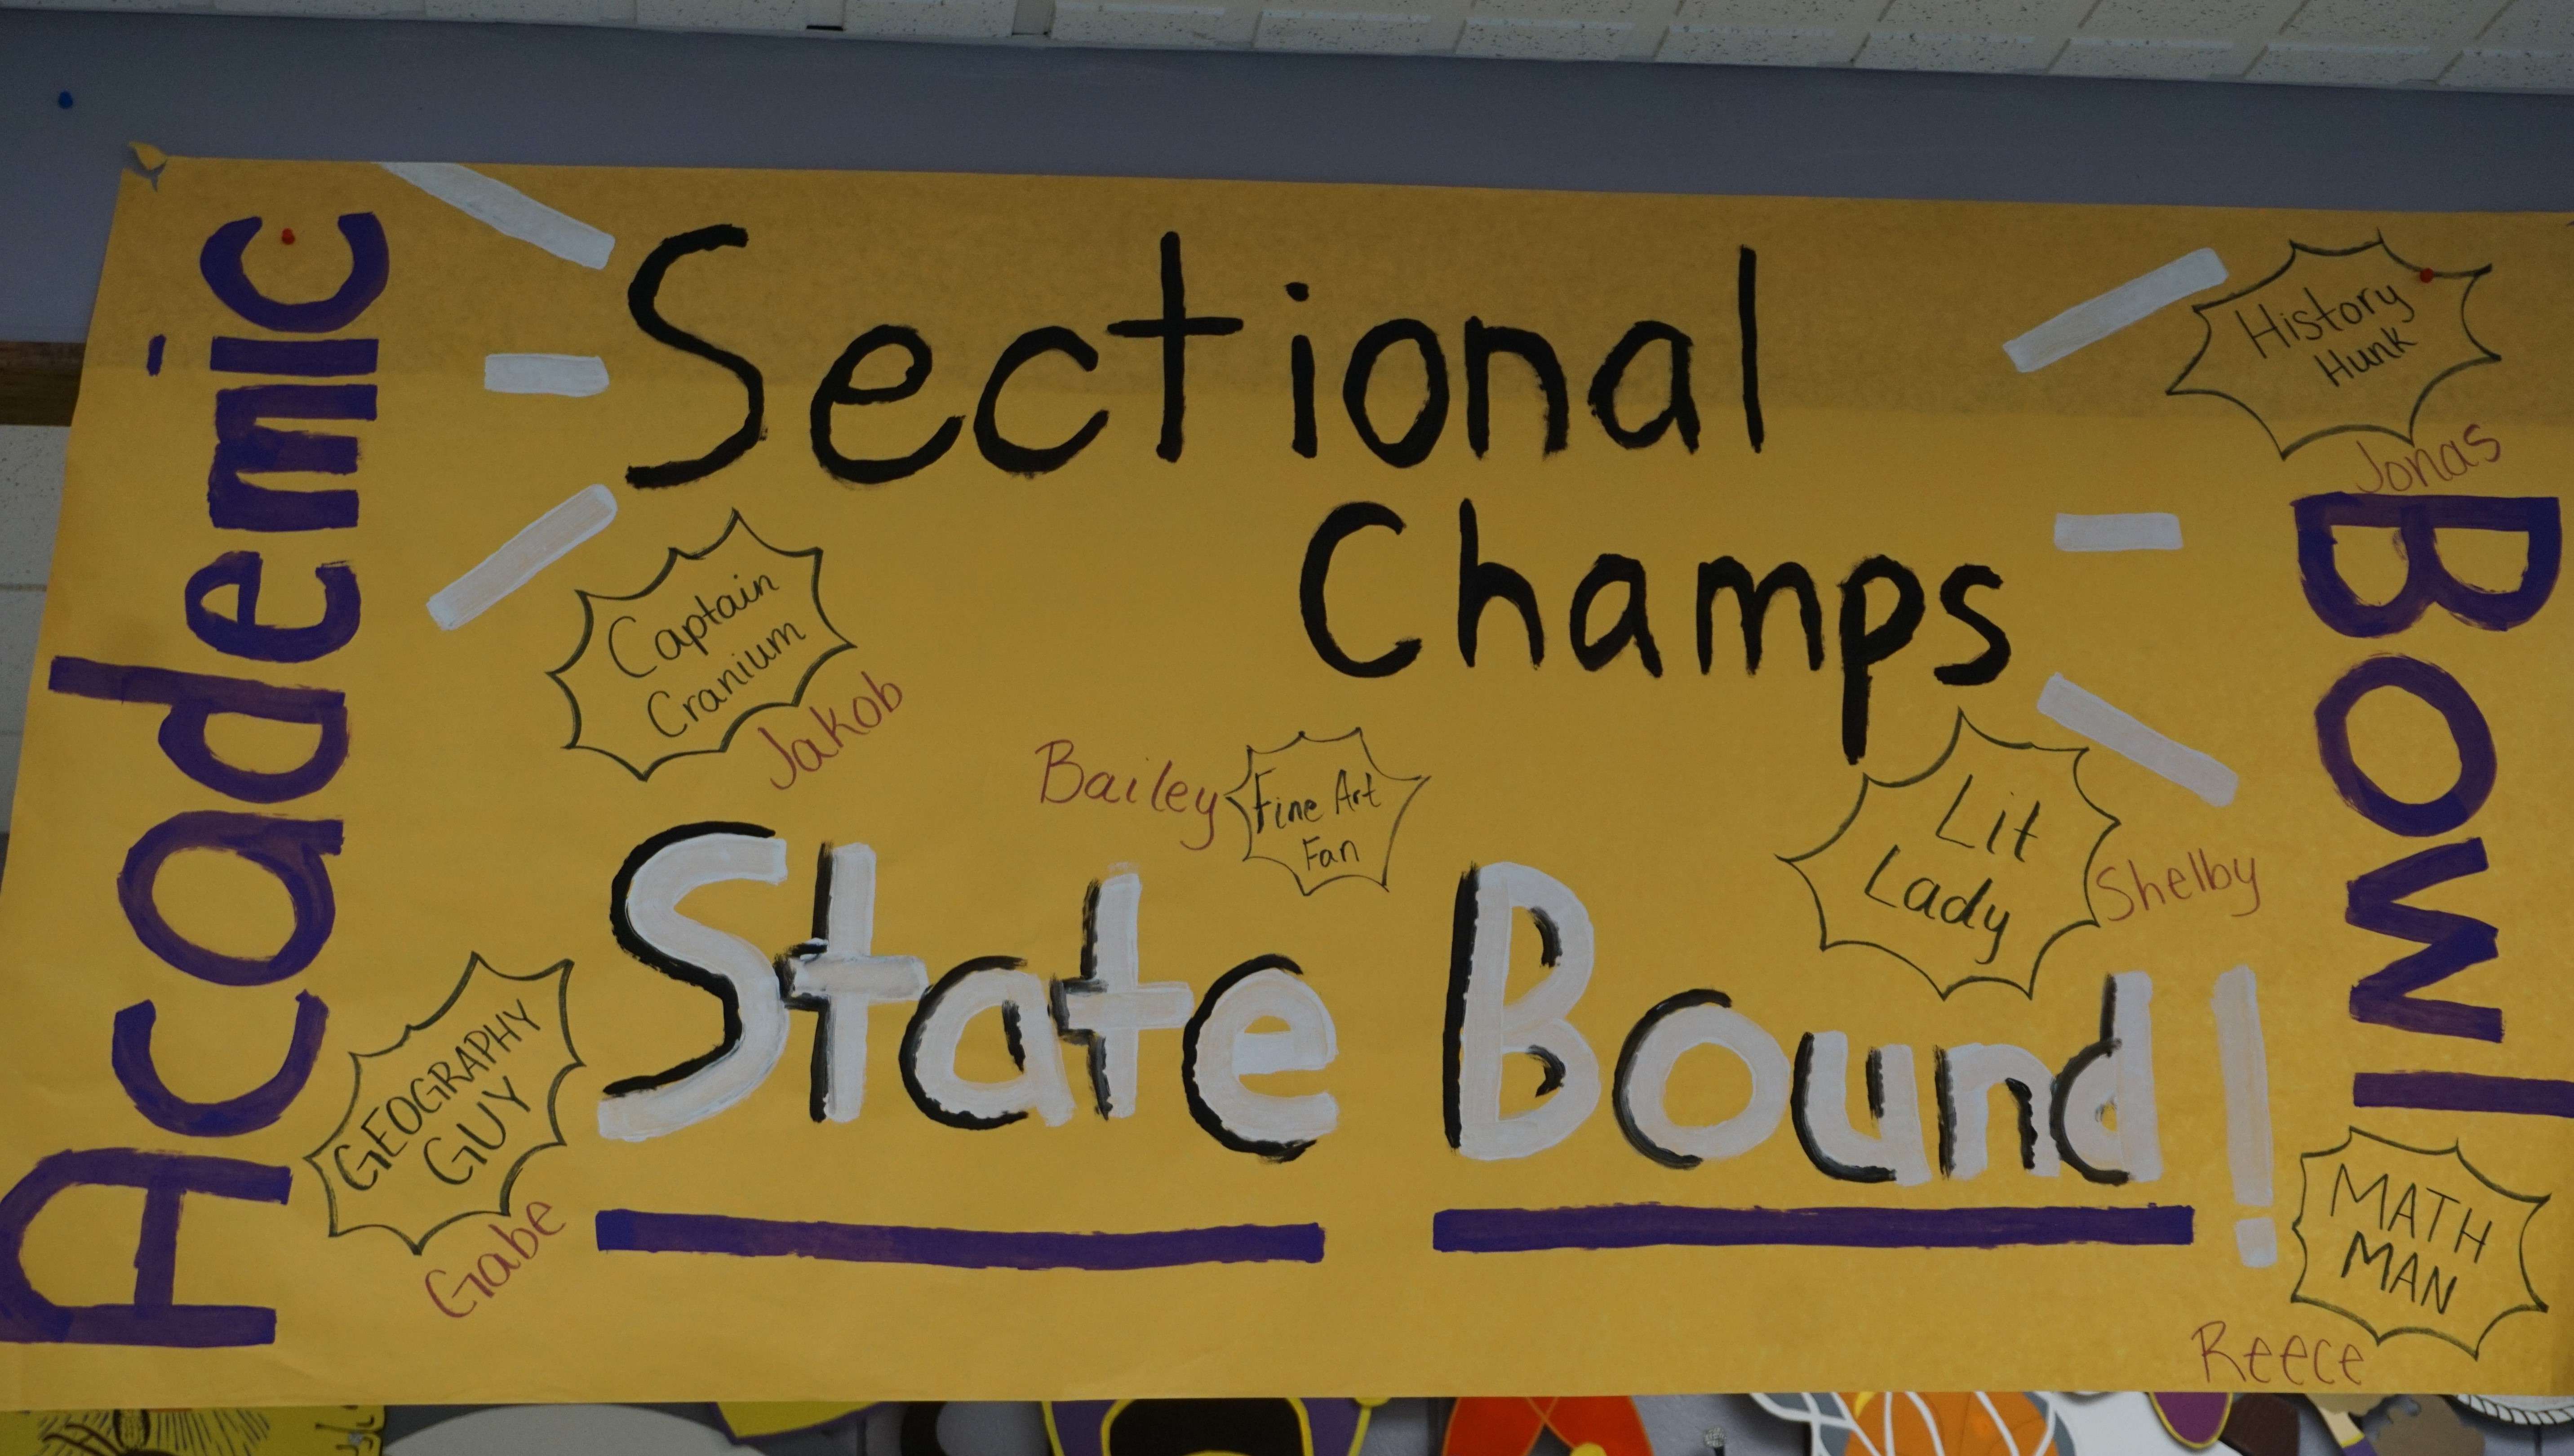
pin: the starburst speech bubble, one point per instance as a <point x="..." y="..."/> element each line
<point x="1321" y="808"/>
<point x="2412" y="1240"/>
<point x="715" y="636"/>
<point x="2337" y="340"/>
<point x="441" y="1122"/>
<point x="1970" y="870"/>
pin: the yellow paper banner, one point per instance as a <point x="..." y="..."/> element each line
<point x="798" y="787"/>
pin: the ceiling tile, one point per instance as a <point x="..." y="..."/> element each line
<point x="1447" y="11"/>
<point x="2390" y="22"/>
<point x="1897" y="50"/>
<point x="2503" y="45"/>
<point x="1845" y="15"/>
<point x="542" y="12"/>
<point x="2235" y="19"/>
<point x="952" y="19"/>
<point x="2512" y="70"/>
<point x="1093" y="23"/>
<point x="1984" y="17"/>
<point x="1577" y="9"/>
<point x="1544" y="40"/>
<point x="1755" y="45"/>
<point x="1353" y="30"/>
<point x="326" y="7"/>
<point x="2537" y="24"/>
<point x="722" y="14"/>
<point x="2317" y="65"/>
<point x="2159" y="60"/>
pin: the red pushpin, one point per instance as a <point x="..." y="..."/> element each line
<point x="287" y="237"/>
<point x="2427" y="274"/>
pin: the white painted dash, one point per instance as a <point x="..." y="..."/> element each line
<point x="2143" y="530"/>
<point x="508" y="210"/>
<point x="546" y="539"/>
<point x="2093" y="319"/>
<point x="581" y="375"/>
<point x="2111" y="727"/>
<point x="2256" y="1243"/>
<point x="2245" y="1068"/>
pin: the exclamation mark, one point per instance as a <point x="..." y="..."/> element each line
<point x="2246" y="1071"/>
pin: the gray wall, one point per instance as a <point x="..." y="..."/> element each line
<point x="379" y="89"/>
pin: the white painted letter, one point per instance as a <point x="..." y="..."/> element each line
<point x="1108" y="1007"/>
<point x="1697" y="1019"/>
<point x="1967" y="1076"/>
<point x="1220" y="1049"/>
<point x="929" y="1048"/>
<point x="1836" y="1146"/>
<point x="649" y="925"/>
<point x="2114" y="1074"/>
<point x="1483" y="1028"/>
<point x="839" y="977"/>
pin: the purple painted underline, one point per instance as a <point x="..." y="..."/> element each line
<point x="2463" y="1091"/>
<point x="1647" y="1225"/>
<point x="957" y="1248"/>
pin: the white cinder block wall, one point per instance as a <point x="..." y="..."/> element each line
<point x="31" y="496"/>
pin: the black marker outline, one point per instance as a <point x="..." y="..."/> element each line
<point x="1824" y="940"/>
<point x="819" y="1075"/>
<point x="910" y="1057"/>
<point x="2296" y="1227"/>
<point x="1797" y="1090"/>
<point x="643" y="304"/>
<point x="1943" y="1089"/>
<point x="1250" y="766"/>
<point x="1661" y="1012"/>
<point x="2060" y="1095"/>
<point x="1205" y="1116"/>
<point x="2208" y="340"/>
<point x="1059" y="1003"/>
<point x="357" y="1061"/>
<point x="631" y="942"/>
<point x="589" y="624"/>
<point x="1461" y="972"/>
